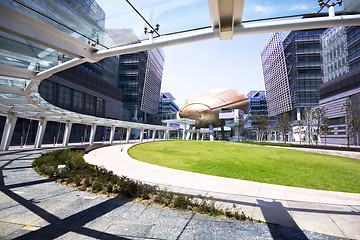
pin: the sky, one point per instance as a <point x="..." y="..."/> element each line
<point x="192" y="68"/>
<point x="195" y="67"/>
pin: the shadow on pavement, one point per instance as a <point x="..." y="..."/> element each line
<point x="58" y="227"/>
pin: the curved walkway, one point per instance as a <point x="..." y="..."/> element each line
<point x="32" y="207"/>
<point x="332" y="213"/>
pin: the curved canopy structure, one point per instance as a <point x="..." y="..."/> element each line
<point x="40" y="38"/>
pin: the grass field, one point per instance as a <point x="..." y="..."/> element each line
<point x="255" y="163"/>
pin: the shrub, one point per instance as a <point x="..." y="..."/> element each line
<point x="182" y="202"/>
<point x="163" y="197"/>
<point x="97" y="186"/>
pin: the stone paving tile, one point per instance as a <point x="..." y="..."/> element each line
<point x="7" y="228"/>
<point x="51" y="210"/>
<point x="129" y="229"/>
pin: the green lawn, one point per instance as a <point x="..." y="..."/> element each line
<point x="255" y="163"/>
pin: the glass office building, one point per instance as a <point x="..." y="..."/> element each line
<point x="140" y="76"/>
<point x="292" y="71"/>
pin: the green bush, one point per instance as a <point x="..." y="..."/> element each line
<point x="183" y="202"/>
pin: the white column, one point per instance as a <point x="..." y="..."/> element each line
<point x="67" y="132"/>
<point x="211" y="132"/>
<point x="92" y="134"/>
<point x="141" y="134"/>
<point x="197" y="134"/>
<point x="8" y="131"/>
<point x="112" y="134"/>
<point x="165" y="132"/>
<point x="184" y="131"/>
<point x="192" y="133"/>
<point x="40" y="132"/>
<point x="153" y="135"/>
<point x="188" y="133"/>
<point x="298" y="114"/>
<point x="128" y="132"/>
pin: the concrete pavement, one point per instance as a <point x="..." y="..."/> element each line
<point x="333" y="213"/>
<point x="32" y="207"/>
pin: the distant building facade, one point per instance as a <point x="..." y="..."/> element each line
<point x="334" y="93"/>
<point x="168" y="109"/>
<point x="140" y="76"/>
<point x="297" y="85"/>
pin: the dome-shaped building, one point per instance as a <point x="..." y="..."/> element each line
<point x="206" y="106"/>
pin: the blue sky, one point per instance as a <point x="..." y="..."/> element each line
<point x="195" y="67"/>
<point x="231" y="64"/>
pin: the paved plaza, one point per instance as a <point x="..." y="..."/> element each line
<point x="32" y="207"/>
<point x="333" y="213"/>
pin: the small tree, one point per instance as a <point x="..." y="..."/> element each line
<point x="321" y="122"/>
<point x="283" y="124"/>
<point x="240" y="123"/>
<point x="261" y="124"/>
<point x="308" y="114"/>
<point x="351" y="120"/>
<point x="300" y="129"/>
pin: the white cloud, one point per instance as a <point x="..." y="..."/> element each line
<point x="263" y="9"/>
<point x="300" y="7"/>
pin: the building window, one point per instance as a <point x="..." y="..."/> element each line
<point x="89" y="104"/>
<point x="78" y="100"/>
<point x="99" y="106"/>
<point x="64" y="96"/>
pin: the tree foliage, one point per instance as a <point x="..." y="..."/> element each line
<point x="322" y="122"/>
<point x="351" y="120"/>
<point x="283" y="124"/>
<point x="261" y="124"/>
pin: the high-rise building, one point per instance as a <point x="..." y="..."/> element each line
<point x="334" y="93"/>
<point x="334" y="53"/>
<point x="140" y="76"/>
<point x="292" y="71"/>
<point x="275" y="75"/>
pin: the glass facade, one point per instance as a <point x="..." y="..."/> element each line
<point x="353" y="44"/>
<point x="303" y="61"/>
<point x="334" y="53"/>
<point x="140" y="76"/>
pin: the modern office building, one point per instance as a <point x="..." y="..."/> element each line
<point x="167" y="103"/>
<point x="275" y="75"/>
<point x="140" y="76"/>
<point x="258" y="103"/>
<point x="334" y="53"/>
<point x="292" y="71"/>
<point x="168" y="109"/>
<point x="334" y="93"/>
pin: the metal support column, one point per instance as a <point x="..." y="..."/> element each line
<point x="112" y="134"/>
<point x="92" y="134"/>
<point x="189" y="133"/>
<point x="184" y="132"/>
<point x="153" y="134"/>
<point x="128" y="132"/>
<point x="211" y="132"/>
<point x="141" y="135"/>
<point x="67" y="132"/>
<point x="8" y="131"/>
<point x="40" y="132"/>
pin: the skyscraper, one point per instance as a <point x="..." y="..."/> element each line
<point x="140" y="76"/>
<point x="292" y="71"/>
